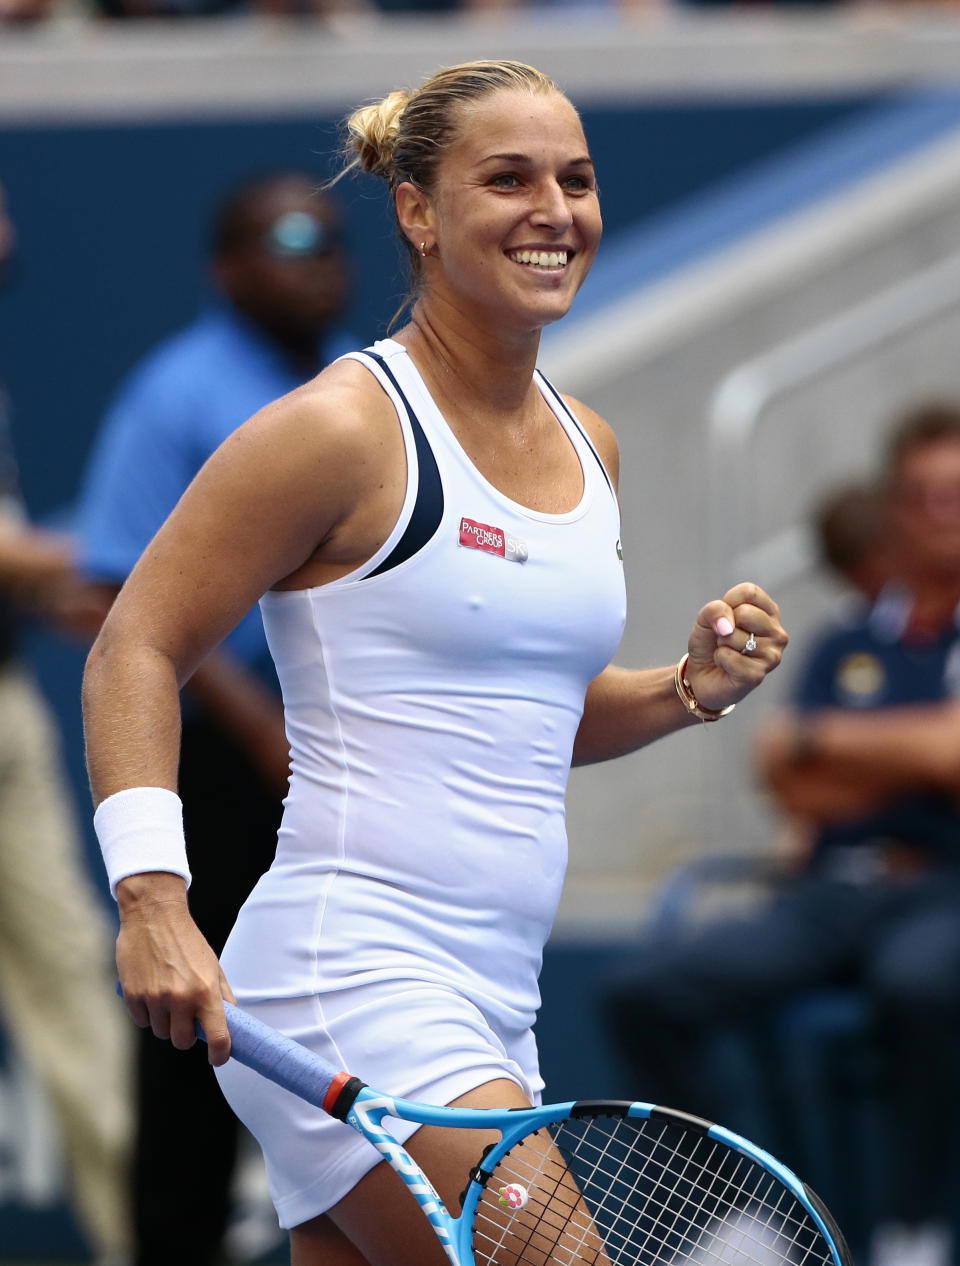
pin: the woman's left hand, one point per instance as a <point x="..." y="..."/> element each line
<point x="735" y="642"/>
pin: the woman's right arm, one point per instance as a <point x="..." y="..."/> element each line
<point x="292" y="485"/>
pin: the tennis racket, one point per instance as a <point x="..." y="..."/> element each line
<point x="594" y="1181"/>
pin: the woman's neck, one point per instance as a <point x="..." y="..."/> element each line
<point x="464" y="361"/>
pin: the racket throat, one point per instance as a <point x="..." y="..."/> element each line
<point x="478" y="1174"/>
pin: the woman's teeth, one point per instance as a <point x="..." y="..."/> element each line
<point x="540" y="259"/>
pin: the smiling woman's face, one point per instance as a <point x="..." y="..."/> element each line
<point x="515" y="207"/>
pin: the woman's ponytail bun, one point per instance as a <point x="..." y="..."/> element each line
<point x="372" y="134"/>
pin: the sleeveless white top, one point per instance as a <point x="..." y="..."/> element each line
<point x="432" y="702"/>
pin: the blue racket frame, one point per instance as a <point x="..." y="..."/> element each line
<point x="314" y="1079"/>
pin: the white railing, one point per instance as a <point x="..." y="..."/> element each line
<point x="741" y="406"/>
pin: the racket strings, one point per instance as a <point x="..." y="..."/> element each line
<point x="722" y="1205"/>
<point x="677" y="1206"/>
<point x="604" y="1191"/>
<point x="668" y="1206"/>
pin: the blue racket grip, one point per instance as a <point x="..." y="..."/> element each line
<point x="274" y="1055"/>
<point x="278" y="1057"/>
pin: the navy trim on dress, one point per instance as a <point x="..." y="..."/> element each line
<point x="428" y="508"/>
<point x="577" y="423"/>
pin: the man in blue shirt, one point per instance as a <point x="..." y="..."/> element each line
<point x="280" y="270"/>
<point x="866" y="768"/>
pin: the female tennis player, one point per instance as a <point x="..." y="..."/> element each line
<point x="433" y="535"/>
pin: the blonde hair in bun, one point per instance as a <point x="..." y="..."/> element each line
<point x="372" y="132"/>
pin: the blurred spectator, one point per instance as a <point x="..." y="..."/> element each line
<point x="279" y="267"/>
<point x="853" y="533"/>
<point x="26" y="10"/>
<point x="216" y="8"/>
<point x="56" y="978"/>
<point x="867" y="772"/>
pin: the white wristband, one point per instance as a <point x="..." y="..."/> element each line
<point x="141" y="829"/>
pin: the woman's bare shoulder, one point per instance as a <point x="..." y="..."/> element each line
<point x="340" y="420"/>
<point x="328" y="442"/>
<point x="601" y="433"/>
<point x="343" y="404"/>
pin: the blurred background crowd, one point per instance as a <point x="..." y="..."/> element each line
<point x="29" y="11"/>
<point x="762" y="921"/>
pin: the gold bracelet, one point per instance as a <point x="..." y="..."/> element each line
<point x="689" y="699"/>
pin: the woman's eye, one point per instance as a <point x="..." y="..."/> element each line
<point x="577" y="184"/>
<point x="506" y="180"/>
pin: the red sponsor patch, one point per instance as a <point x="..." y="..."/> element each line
<point x="482" y="536"/>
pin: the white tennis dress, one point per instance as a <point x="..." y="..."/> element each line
<point x="432" y="697"/>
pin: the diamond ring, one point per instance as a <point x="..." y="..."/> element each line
<point x="750" y="645"/>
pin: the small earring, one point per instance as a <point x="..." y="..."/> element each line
<point x="423" y="250"/>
